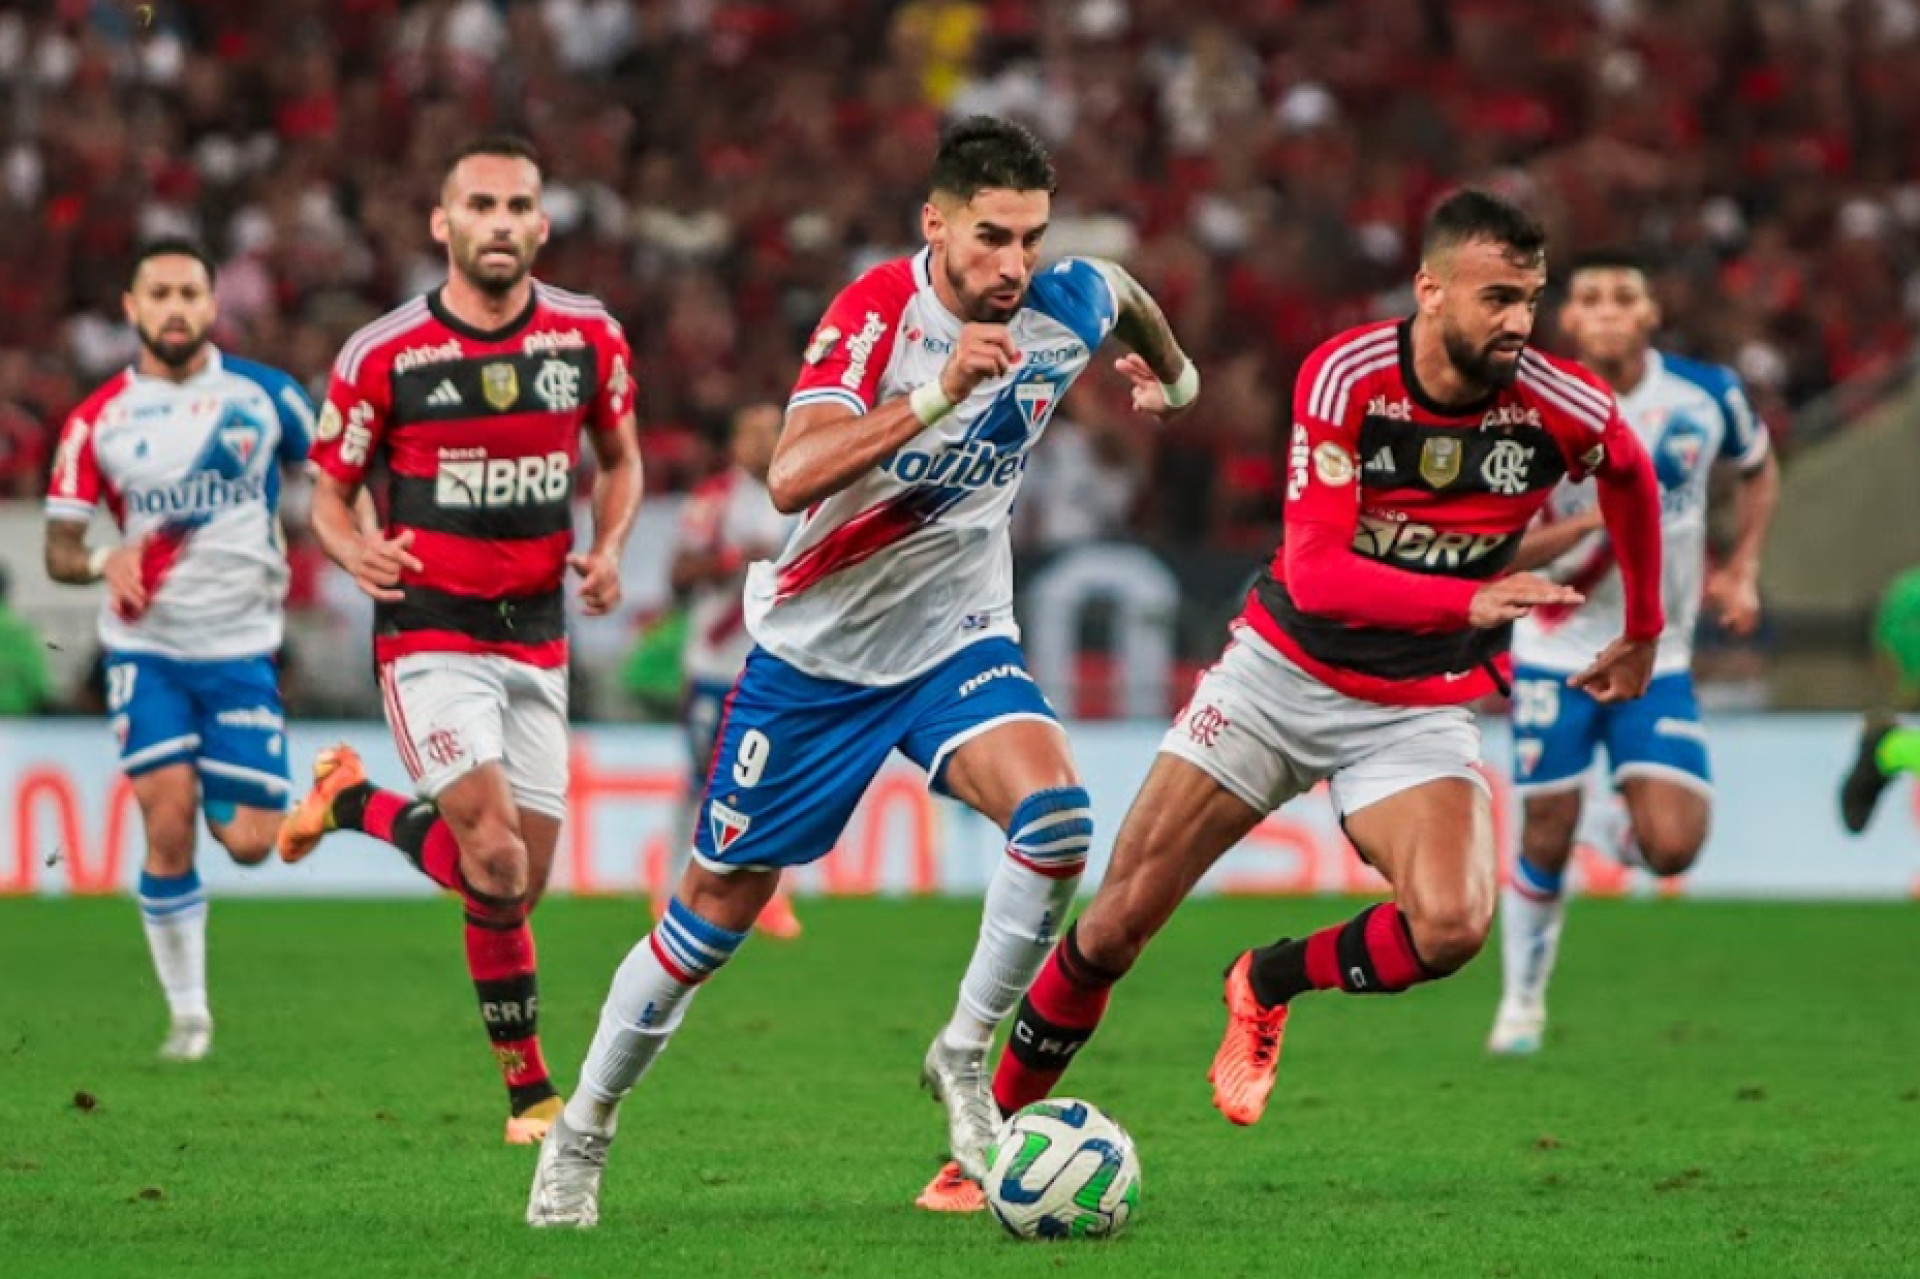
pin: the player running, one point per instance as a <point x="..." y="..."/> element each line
<point x="1887" y="747"/>
<point x="727" y="524"/>
<point x="1687" y="416"/>
<point x="475" y="396"/>
<point x="185" y="448"/>
<point x="887" y="622"/>
<point x="1421" y="449"/>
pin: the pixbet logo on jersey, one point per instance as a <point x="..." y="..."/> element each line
<point x="975" y="465"/>
<point x="468" y="479"/>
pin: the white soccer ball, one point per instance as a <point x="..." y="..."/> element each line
<point x="1061" y="1169"/>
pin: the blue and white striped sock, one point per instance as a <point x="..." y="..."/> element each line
<point x="649" y="997"/>
<point x="1049" y="837"/>
<point x="173" y="909"/>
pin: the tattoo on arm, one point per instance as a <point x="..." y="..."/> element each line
<point x="1143" y="326"/>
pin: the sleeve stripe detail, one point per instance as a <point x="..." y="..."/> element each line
<point x="67" y="508"/>
<point x="361" y="344"/>
<point x="1342" y="394"/>
<point x="569" y="302"/>
<point x="828" y="395"/>
<point x="1580" y="413"/>
<point x="1570" y="386"/>
<point x="1335" y="367"/>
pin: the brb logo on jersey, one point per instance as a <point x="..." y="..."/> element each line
<point x="223" y="475"/>
<point x="469" y="480"/>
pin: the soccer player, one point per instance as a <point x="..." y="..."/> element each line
<point x="727" y="524"/>
<point x="1421" y="448"/>
<point x="1887" y="748"/>
<point x="186" y="448"/>
<point x="887" y="622"/>
<point x="475" y="395"/>
<point x="1687" y="416"/>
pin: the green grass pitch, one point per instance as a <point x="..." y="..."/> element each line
<point x="1728" y="1089"/>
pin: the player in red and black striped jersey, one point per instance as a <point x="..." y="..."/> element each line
<point x="1421" y="450"/>
<point x="475" y="397"/>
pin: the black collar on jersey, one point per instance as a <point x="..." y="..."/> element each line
<point x="1418" y="394"/>
<point x="465" y="330"/>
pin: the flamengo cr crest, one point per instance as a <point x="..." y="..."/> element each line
<point x="558" y="385"/>
<point x="1505" y="469"/>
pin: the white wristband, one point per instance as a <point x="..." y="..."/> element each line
<point x="930" y="402"/>
<point x="97" y="562"/>
<point x="1182" y="390"/>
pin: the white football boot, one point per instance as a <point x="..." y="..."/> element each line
<point x="566" y="1181"/>
<point x="958" y="1078"/>
<point x="189" y="1039"/>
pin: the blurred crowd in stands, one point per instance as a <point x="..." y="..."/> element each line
<point x="717" y="169"/>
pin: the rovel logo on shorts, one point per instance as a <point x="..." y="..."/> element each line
<point x="470" y="479"/>
<point x="1005" y="671"/>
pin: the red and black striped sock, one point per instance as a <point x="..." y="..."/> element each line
<point x="1059" y="1013"/>
<point x="411" y="825"/>
<point x="500" y="959"/>
<point x="1370" y="954"/>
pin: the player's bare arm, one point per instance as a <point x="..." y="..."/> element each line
<point x="821" y="451"/>
<point x="373" y="560"/>
<point x="616" y="503"/>
<point x="1544" y="543"/>
<point x="1164" y="380"/>
<point x="71" y="560"/>
<point x="1630" y="506"/>
<point x="1733" y="588"/>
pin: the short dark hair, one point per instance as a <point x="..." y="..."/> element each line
<point x="1612" y="258"/>
<point x="512" y="146"/>
<point x="985" y="151"/>
<point x="171" y="246"/>
<point x="1470" y="214"/>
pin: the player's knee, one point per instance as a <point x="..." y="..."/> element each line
<point x="248" y="847"/>
<point x="1670" y="849"/>
<point x="1051" y="831"/>
<point x="1447" y="934"/>
<point x="493" y="859"/>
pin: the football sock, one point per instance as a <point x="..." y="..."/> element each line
<point x="1533" y="908"/>
<point x="500" y="959"/>
<point x="1370" y="954"/>
<point x="1898" y="752"/>
<point x="1056" y="1018"/>
<point x="173" y="910"/>
<point x="411" y="825"/>
<point x="649" y="997"/>
<point x="1032" y="889"/>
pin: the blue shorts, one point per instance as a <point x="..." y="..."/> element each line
<point x="797" y="752"/>
<point x="223" y="717"/>
<point x="1556" y="730"/>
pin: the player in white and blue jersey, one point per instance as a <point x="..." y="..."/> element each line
<point x="185" y="449"/>
<point x="886" y="624"/>
<point x="1689" y="415"/>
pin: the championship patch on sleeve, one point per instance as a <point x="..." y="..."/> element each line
<point x="822" y="345"/>
<point x="1594" y="457"/>
<point x="1333" y="464"/>
<point x="330" y="423"/>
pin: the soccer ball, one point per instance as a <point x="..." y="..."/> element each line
<point x="1061" y="1169"/>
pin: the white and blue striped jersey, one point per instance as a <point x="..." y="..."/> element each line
<point x="895" y="573"/>
<point x="1688" y="415"/>
<point x="191" y="471"/>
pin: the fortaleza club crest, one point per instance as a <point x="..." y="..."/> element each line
<point x="501" y="385"/>
<point x="1035" y="400"/>
<point x="1440" y="461"/>
<point x="725" y="824"/>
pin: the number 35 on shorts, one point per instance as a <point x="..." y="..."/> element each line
<point x="1536" y="703"/>
<point x="750" y="761"/>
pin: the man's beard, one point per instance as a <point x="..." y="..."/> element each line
<point x="174" y="352"/>
<point x="494" y="285"/>
<point x="1477" y="363"/>
<point x="977" y="309"/>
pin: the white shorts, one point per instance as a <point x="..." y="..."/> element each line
<point x="452" y="712"/>
<point x="1268" y="731"/>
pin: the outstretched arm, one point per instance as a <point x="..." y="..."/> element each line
<point x="1164" y="379"/>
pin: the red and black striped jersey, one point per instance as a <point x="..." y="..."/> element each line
<point x="481" y="435"/>
<point x="1398" y="509"/>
